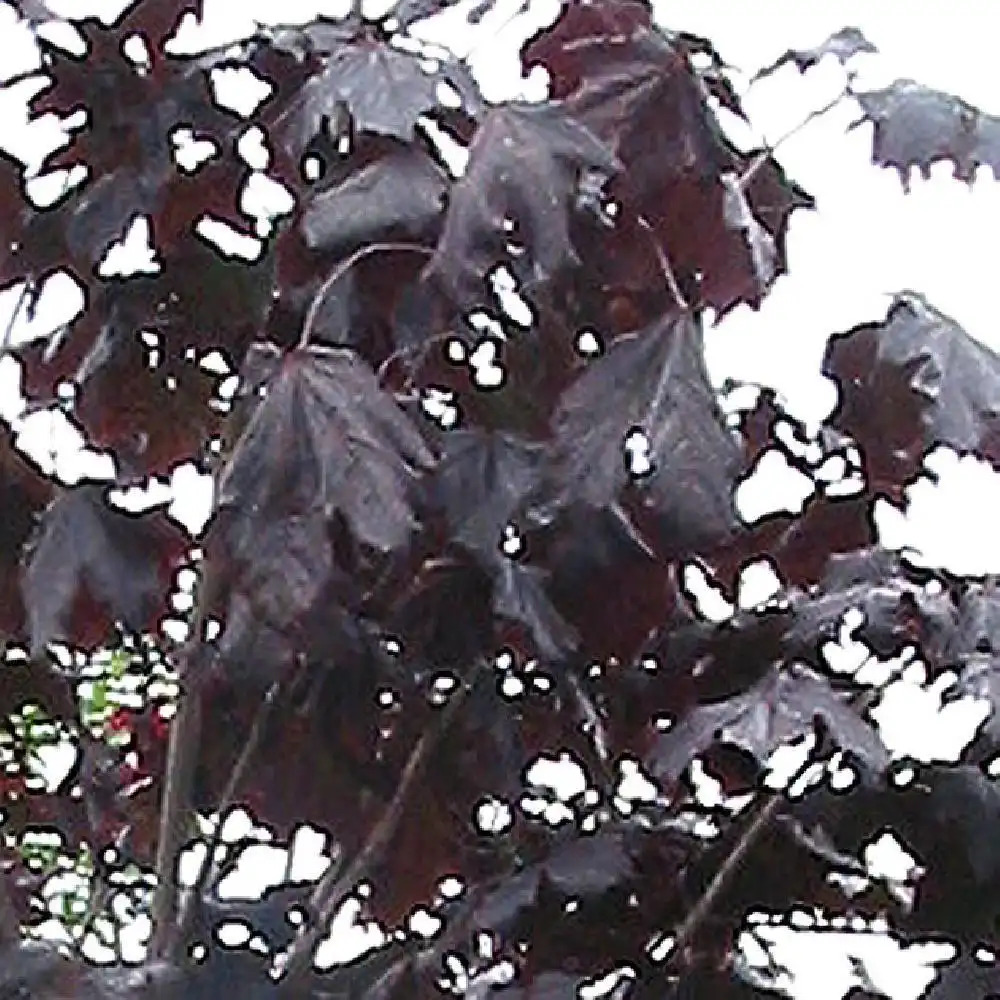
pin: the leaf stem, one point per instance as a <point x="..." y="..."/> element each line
<point x="22" y="298"/>
<point x="664" y="262"/>
<point x="339" y="271"/>
<point x="593" y="724"/>
<point x="334" y="885"/>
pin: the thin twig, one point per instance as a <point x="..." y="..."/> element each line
<point x="727" y="870"/>
<point x="818" y="843"/>
<point x="188" y="904"/>
<point x="339" y="271"/>
<point x="769" y="148"/>
<point x="10" y="926"/>
<point x="334" y="885"/>
<point x="182" y="753"/>
<point x="12" y="322"/>
<point x="746" y="842"/>
<point x="100" y="895"/>
<point x="593" y="724"/>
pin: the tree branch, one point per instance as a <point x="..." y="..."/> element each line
<point x="747" y="841"/>
<point x="187" y="906"/>
<point x="769" y="148"/>
<point x="333" y="886"/>
<point x="10" y="925"/>
<point x="182" y="752"/>
<point x="727" y="870"/>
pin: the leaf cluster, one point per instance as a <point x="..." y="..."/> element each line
<point x="471" y="482"/>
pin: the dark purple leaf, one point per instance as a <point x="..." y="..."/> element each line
<point x="911" y="382"/>
<point x="519" y="596"/>
<point x="897" y="608"/>
<point x="654" y="382"/>
<point x="548" y="985"/>
<point x="384" y="88"/>
<point x="965" y="799"/>
<point x="402" y="194"/>
<point x="524" y="162"/>
<point x="843" y="45"/>
<point x="916" y="126"/>
<point x="968" y="978"/>
<point x="777" y="710"/>
<point x="582" y="865"/>
<point x="86" y="551"/>
<point x="344" y="445"/>
<point x="480" y="482"/>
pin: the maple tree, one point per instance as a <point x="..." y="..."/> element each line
<point x="471" y="474"/>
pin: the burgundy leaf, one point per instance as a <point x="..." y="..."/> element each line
<point x="519" y="596"/>
<point x="480" y="482"/>
<point x="911" y="382"/>
<point x="385" y="88"/>
<point x="636" y="89"/>
<point x="578" y="866"/>
<point x="970" y="977"/>
<point x="290" y="563"/>
<point x="964" y="797"/>
<point x="977" y="629"/>
<point x="897" y="608"/>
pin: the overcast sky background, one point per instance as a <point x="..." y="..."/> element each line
<point x="866" y="240"/>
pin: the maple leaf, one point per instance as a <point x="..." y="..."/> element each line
<point x="977" y="629"/>
<point x="739" y="216"/>
<point x="519" y="596"/>
<point x="480" y="481"/>
<point x="897" y="608"/>
<point x="579" y="866"/>
<point x="614" y="590"/>
<point x="641" y="74"/>
<point x="911" y="382"/>
<point x="385" y="88"/>
<point x="915" y="126"/>
<point x="781" y="707"/>
<point x="401" y="194"/>
<point x="83" y="549"/>
<point x="290" y="563"/>
<point x="655" y="381"/>
<point x="843" y="45"/>
<point x="326" y="438"/>
<point x="969" y="977"/>
<point x="636" y="88"/>
<point x="966" y="798"/>
<point x="708" y="67"/>
<point x="971" y="647"/>
<point x="524" y="163"/>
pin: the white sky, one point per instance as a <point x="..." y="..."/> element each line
<point x="866" y="241"/>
